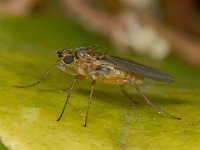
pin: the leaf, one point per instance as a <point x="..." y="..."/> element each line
<point x="28" y="116"/>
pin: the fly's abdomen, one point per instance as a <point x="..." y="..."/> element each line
<point x="112" y="75"/>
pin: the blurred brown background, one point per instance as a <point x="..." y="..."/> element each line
<point x="151" y="27"/>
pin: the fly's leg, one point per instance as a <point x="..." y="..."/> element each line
<point x="68" y="96"/>
<point x="160" y="110"/>
<point x="126" y="94"/>
<point x="41" y="79"/>
<point x="89" y="101"/>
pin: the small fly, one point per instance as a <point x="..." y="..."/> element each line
<point x="85" y="63"/>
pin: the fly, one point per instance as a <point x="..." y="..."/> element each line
<point x="85" y="63"/>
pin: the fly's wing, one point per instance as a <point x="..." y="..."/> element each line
<point x="140" y="69"/>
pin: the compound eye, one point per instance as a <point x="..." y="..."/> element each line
<point x="68" y="59"/>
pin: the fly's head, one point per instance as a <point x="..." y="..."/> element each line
<point x="66" y="56"/>
<point x="67" y="61"/>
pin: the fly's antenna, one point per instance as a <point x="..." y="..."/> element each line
<point x="160" y="110"/>
<point x="41" y="79"/>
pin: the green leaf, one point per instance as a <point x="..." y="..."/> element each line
<point x="28" y="116"/>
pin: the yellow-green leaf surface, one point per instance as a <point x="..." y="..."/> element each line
<point x="28" y="116"/>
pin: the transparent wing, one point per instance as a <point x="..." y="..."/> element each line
<point x="140" y="69"/>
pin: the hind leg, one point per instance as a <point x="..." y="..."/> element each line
<point x="126" y="94"/>
<point x="160" y="110"/>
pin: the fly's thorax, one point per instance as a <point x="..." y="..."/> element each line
<point x="84" y="53"/>
<point x="87" y="61"/>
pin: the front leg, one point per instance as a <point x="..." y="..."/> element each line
<point x="78" y="77"/>
<point x="68" y="96"/>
